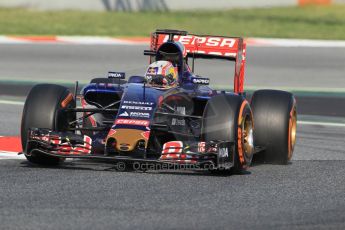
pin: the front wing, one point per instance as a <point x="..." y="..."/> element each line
<point x="213" y="154"/>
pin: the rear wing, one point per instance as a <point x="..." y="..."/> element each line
<point x="208" y="47"/>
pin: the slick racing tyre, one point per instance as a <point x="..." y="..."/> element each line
<point x="42" y="110"/>
<point x="229" y="118"/>
<point x="275" y="120"/>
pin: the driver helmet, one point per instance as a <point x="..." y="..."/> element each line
<point x="161" y="74"/>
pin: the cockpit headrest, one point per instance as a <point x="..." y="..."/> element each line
<point x="173" y="57"/>
<point x="171" y="51"/>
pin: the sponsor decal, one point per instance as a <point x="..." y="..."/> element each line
<point x="140" y="114"/>
<point x="201" y="147"/>
<point x="138" y="103"/>
<point x="124" y="114"/>
<point x="223" y="152"/>
<point x="134" y="107"/>
<point x="172" y="147"/>
<point x="132" y="122"/>
<point x="218" y="46"/>
<point x="201" y="81"/>
<point x="206" y="41"/>
<point x="152" y="70"/>
<point x="178" y="122"/>
<point x="181" y="110"/>
<point x="120" y="75"/>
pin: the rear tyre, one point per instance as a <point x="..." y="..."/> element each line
<point x="229" y="118"/>
<point x="275" y="118"/>
<point x="42" y="110"/>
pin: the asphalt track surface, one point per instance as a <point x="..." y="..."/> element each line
<point x="306" y="194"/>
<point x="309" y="193"/>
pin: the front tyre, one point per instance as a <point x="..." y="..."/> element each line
<point x="42" y="109"/>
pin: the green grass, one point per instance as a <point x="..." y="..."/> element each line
<point x="314" y="22"/>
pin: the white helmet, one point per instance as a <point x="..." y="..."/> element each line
<point x="161" y="74"/>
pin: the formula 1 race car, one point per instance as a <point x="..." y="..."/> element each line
<point x="170" y="116"/>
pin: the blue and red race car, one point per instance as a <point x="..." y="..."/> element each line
<point x="168" y="117"/>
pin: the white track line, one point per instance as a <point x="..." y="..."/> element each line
<point x="8" y="102"/>
<point x="281" y="42"/>
<point x="321" y="123"/>
<point x="5" y="155"/>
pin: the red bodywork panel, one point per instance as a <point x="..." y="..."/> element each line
<point x="207" y="46"/>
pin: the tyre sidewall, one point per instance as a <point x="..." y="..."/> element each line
<point x="222" y="116"/>
<point x="272" y="111"/>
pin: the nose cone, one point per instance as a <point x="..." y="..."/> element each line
<point x="127" y="139"/>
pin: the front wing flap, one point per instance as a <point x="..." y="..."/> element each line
<point x="61" y="143"/>
<point x="220" y="153"/>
